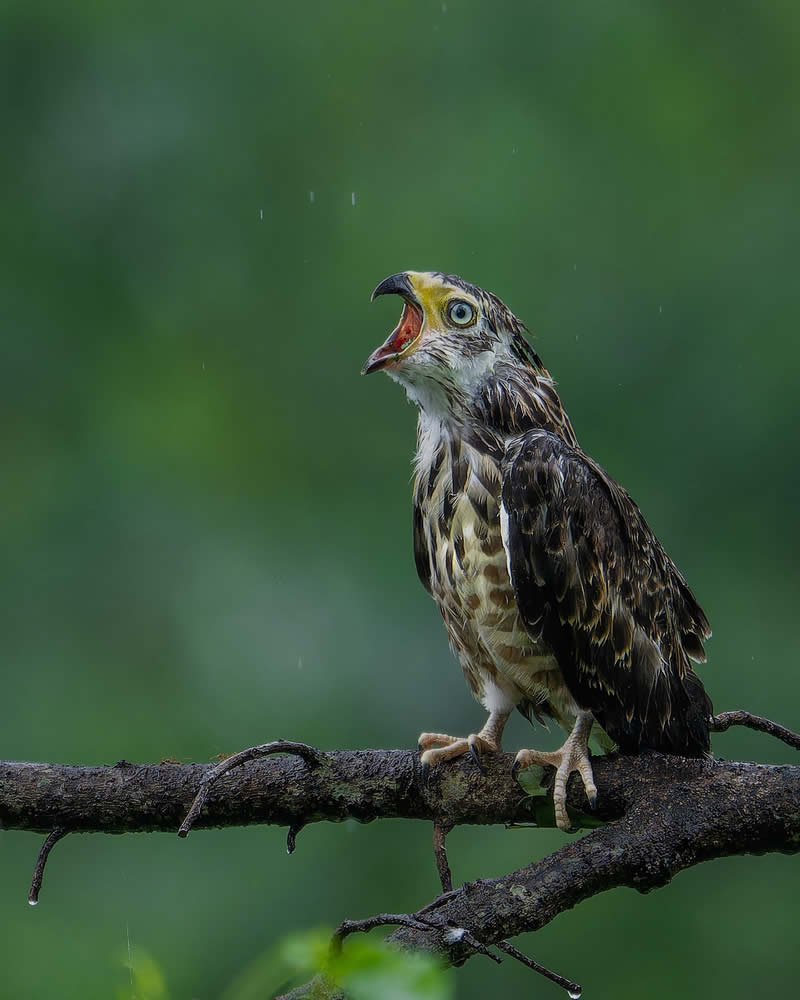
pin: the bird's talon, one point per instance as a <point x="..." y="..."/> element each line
<point x="473" y="750"/>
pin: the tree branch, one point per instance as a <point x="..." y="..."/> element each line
<point x="665" y="814"/>
<point x="676" y="818"/>
<point x="360" y="784"/>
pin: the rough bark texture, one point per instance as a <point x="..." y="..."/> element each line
<point x="676" y="817"/>
<point x="359" y="784"/>
<point x="664" y="813"/>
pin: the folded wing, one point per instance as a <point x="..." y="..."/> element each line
<point x="593" y="582"/>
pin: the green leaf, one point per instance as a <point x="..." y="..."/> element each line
<point x="530" y="779"/>
<point x="148" y="982"/>
<point x="365" y="969"/>
<point x="368" y="969"/>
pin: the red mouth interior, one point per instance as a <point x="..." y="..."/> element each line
<point x="407" y="329"/>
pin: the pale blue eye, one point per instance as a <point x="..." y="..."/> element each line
<point x="461" y="313"/>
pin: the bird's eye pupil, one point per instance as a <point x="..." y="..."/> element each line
<point x="461" y="313"/>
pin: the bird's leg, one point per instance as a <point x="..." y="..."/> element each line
<point x="437" y="747"/>
<point x="573" y="756"/>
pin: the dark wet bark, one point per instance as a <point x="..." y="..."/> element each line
<point x="664" y="814"/>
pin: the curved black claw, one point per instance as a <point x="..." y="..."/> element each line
<point x="515" y="768"/>
<point x="473" y="750"/>
<point x="592" y="799"/>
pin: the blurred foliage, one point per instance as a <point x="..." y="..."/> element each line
<point x="146" y="980"/>
<point x="205" y="531"/>
<point x="364" y="969"/>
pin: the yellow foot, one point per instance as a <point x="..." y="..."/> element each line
<point x="437" y="747"/>
<point x="573" y="756"/>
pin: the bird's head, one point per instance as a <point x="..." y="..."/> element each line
<point x="450" y="336"/>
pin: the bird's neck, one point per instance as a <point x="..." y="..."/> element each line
<point x="511" y="400"/>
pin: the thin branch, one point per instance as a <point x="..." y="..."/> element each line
<point x="450" y="935"/>
<point x="455" y="935"/>
<point x="291" y="837"/>
<point x="574" y="989"/>
<point x="312" y="757"/>
<point x="440" y="830"/>
<point x="723" y="721"/>
<point x="439" y="901"/>
<point x="348" y="927"/>
<point x="41" y="862"/>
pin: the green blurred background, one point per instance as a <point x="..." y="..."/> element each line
<point x="206" y="525"/>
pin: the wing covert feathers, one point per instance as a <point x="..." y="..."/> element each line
<point x="591" y="579"/>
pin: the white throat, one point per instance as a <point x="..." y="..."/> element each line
<point x="436" y="392"/>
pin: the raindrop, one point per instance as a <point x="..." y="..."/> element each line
<point x="261" y="214"/>
<point x="33" y="902"/>
<point x="454" y="935"/>
<point x="661" y="309"/>
<point x="575" y="994"/>
<point x="352" y="197"/>
<point x="130" y="958"/>
<point x="311" y="197"/>
<point x="444" y="8"/>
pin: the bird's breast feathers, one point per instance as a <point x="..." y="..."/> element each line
<point x="456" y="497"/>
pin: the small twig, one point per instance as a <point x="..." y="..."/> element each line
<point x="312" y="757"/>
<point x="723" y="721"/>
<point x="440" y="900"/>
<point x="456" y="934"/>
<point x="440" y="830"/>
<point x="347" y="927"/>
<point x="291" y="837"/>
<point x="574" y="989"/>
<point x="452" y="934"/>
<point x="38" y="870"/>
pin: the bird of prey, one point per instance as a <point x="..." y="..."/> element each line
<point x="557" y="597"/>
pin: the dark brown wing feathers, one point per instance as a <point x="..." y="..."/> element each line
<point x="592" y="580"/>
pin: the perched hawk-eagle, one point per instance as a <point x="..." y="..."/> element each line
<point x="557" y="597"/>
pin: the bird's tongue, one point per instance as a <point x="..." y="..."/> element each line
<point x="406" y="331"/>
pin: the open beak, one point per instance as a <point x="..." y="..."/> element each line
<point x="407" y="330"/>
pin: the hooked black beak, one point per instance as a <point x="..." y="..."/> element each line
<point x="395" y="284"/>
<point x="407" y="330"/>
